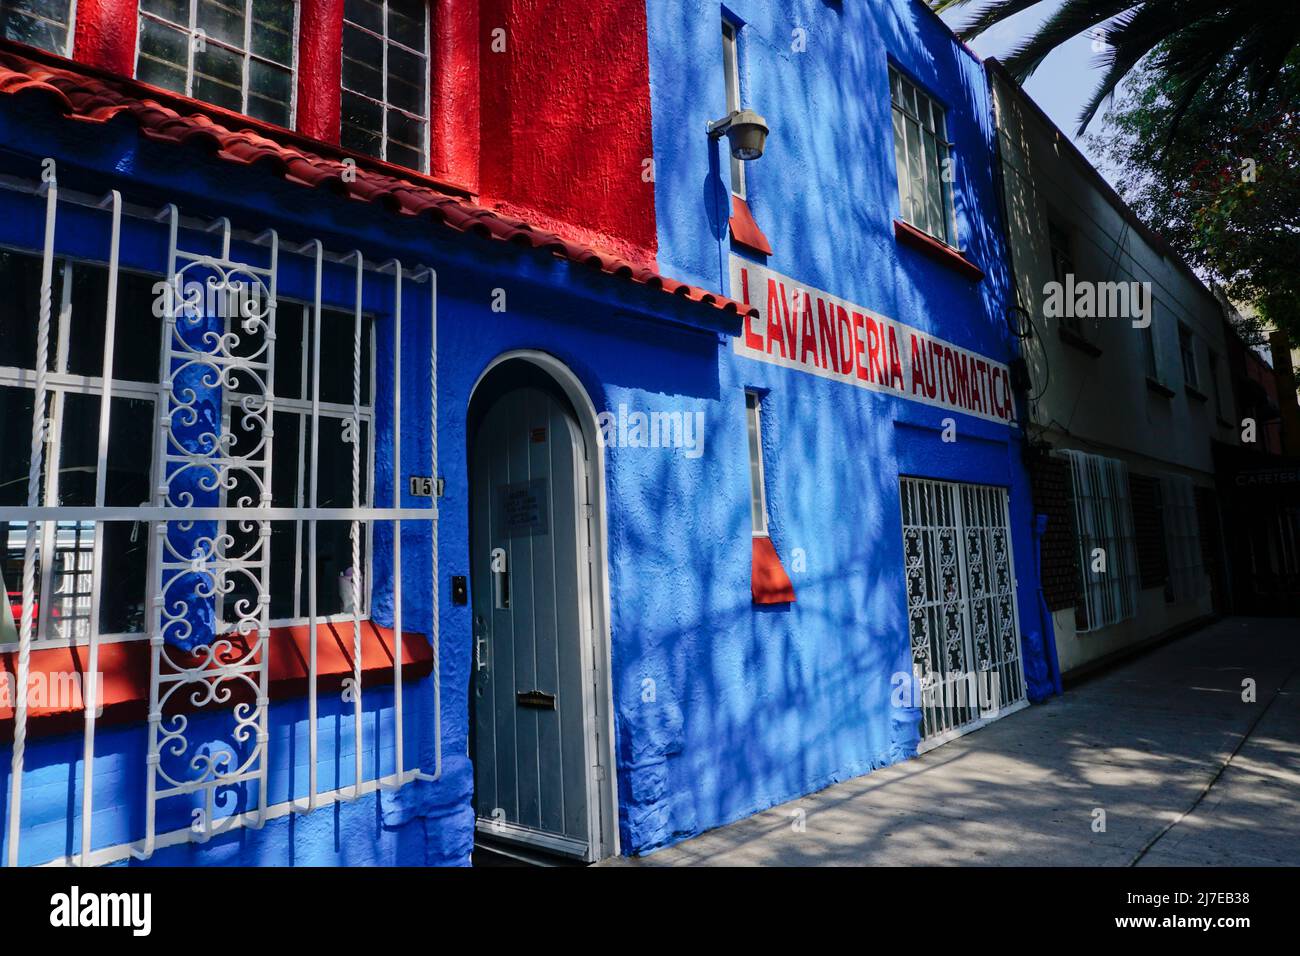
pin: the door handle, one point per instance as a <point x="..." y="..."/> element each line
<point x="480" y="643"/>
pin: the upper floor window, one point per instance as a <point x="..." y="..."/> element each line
<point x="1062" y="249"/>
<point x="238" y="54"/>
<point x="1187" y="348"/>
<point x="757" y="491"/>
<point x="1150" y="356"/>
<point x="731" y="73"/>
<point x="922" y="154"/>
<point x="43" y="23"/>
<point x="385" y="80"/>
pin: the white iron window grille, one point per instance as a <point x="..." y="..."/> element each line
<point x="963" y="623"/>
<point x="75" y="392"/>
<point x="238" y="54"/>
<point x="923" y="158"/>
<point x="43" y="23"/>
<point x="385" y="80"/>
<point x="1103" y="518"/>
<point x="210" y="414"/>
<point x="1182" y="538"/>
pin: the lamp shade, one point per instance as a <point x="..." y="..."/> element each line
<point x="747" y="135"/>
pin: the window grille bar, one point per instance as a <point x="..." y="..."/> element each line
<point x="356" y="527"/>
<point x="313" y="620"/>
<point x="90" y="686"/>
<point x="397" y="505"/>
<point x="51" y="189"/>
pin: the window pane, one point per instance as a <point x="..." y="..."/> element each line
<point x="405" y="156"/>
<point x="933" y="195"/>
<point x="40" y="23"/>
<point x="16" y="440"/>
<point x="406" y="23"/>
<point x="219" y="77"/>
<point x="757" y="506"/>
<point x="178" y="11"/>
<point x="130" y="451"/>
<point x="336" y="357"/>
<point x="163" y="43"/>
<point x="137" y="341"/>
<point x="20" y="278"/>
<point x="363" y="57"/>
<point x="405" y="131"/>
<point x="916" y="175"/>
<point x="900" y="162"/>
<point x="368" y="13"/>
<point x="269" y="92"/>
<point x="290" y="342"/>
<point x="362" y="122"/>
<point x="222" y="21"/>
<point x="406" y="81"/>
<point x="272" y="32"/>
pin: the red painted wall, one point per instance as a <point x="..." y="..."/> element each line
<point x="554" y="129"/>
<point x="320" y="68"/>
<point x="454" y="108"/>
<point x="104" y="34"/>
<point x="565" y="118"/>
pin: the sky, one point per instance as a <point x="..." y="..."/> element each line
<point x="1062" y="85"/>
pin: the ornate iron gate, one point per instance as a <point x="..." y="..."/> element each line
<point x="961" y="605"/>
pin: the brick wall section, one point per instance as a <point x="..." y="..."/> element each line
<point x="1149" y="531"/>
<point x="1053" y="493"/>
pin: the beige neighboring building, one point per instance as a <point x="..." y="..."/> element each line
<point x="1122" y="418"/>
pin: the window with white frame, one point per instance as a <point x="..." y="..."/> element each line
<point x="385" y="106"/>
<point x="731" y="75"/>
<point x="64" y="586"/>
<point x="1182" y="538"/>
<point x="1107" y="550"/>
<point x="757" y="491"/>
<point x="1187" y="349"/>
<point x="237" y="54"/>
<point x="923" y="157"/>
<point x="42" y="23"/>
<point x="1150" y="357"/>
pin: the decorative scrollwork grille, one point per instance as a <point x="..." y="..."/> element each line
<point x="963" y="624"/>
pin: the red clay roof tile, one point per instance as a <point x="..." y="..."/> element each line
<point x="87" y="95"/>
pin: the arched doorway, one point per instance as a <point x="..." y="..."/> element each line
<point x="540" y="719"/>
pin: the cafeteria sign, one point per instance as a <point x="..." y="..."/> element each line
<point x="815" y="332"/>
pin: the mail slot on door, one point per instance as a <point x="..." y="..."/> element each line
<point x="535" y="699"/>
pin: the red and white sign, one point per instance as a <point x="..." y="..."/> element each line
<point x="813" y="331"/>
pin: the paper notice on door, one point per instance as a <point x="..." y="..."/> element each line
<point x="522" y="508"/>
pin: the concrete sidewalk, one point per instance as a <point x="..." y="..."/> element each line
<point x="1164" y="744"/>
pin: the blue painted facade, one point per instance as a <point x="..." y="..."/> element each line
<point x="752" y="705"/>
<point x="760" y="705"/>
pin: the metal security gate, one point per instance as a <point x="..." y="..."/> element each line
<point x="961" y="605"/>
<point x="215" y="507"/>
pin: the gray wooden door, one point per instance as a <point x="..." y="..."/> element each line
<point x="530" y="739"/>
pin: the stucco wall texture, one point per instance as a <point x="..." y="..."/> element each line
<point x="755" y="706"/>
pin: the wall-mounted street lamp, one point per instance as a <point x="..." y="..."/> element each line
<point x="746" y="132"/>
